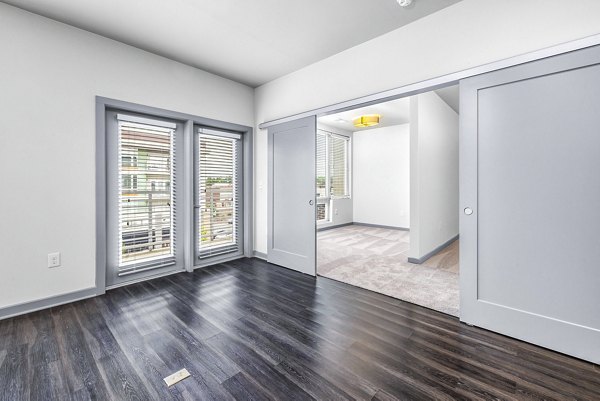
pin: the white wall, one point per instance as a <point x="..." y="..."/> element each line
<point x="381" y="176"/>
<point x="462" y="36"/>
<point x="50" y="74"/>
<point x="341" y="213"/>
<point x="341" y="208"/>
<point x="433" y="173"/>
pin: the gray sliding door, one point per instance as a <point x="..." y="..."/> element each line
<point x="530" y="199"/>
<point x="291" y="197"/>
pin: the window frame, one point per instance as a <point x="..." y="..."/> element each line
<point x="118" y="272"/>
<point x="327" y="200"/>
<point x="347" y="184"/>
<point x="185" y="209"/>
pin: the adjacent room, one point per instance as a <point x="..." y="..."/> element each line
<point x="387" y="213"/>
<point x="371" y="200"/>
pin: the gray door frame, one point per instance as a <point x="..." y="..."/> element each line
<point x="104" y="104"/>
<point x="563" y="336"/>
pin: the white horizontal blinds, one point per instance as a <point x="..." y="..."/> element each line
<point x="322" y="176"/>
<point x="321" y="165"/>
<point x="332" y="171"/>
<point x="146" y="194"/>
<point x="219" y="211"/>
<point x="338" y="165"/>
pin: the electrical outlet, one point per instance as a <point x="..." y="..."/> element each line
<point x="54" y="259"/>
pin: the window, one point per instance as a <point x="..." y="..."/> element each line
<point x="322" y="187"/>
<point x="145" y="195"/>
<point x="129" y="160"/>
<point x="129" y="182"/>
<point x="174" y="193"/>
<point x="338" y="166"/>
<point x="218" y="193"/>
<point x="333" y="166"/>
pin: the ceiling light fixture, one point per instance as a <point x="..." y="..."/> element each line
<point x="366" y="121"/>
<point x="404" y="3"/>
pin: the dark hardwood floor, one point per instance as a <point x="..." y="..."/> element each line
<point x="247" y="330"/>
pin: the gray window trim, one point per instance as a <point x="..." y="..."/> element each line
<point x="188" y="120"/>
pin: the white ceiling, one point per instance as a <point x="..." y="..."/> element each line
<point x="252" y="42"/>
<point x="394" y="112"/>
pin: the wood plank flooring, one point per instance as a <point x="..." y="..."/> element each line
<point x="247" y="330"/>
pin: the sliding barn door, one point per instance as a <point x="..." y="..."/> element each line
<point x="291" y="197"/>
<point x="530" y="199"/>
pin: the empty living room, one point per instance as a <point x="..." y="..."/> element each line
<point x="316" y="200"/>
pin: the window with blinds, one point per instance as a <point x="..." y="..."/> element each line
<point x="322" y="178"/>
<point x="218" y="193"/>
<point x="338" y="165"/>
<point x="146" y="194"/>
<point x="322" y="190"/>
<point x="333" y="175"/>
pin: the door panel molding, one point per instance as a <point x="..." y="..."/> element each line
<point x="291" y="217"/>
<point x="546" y="315"/>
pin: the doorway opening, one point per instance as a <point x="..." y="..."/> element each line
<point x="387" y="198"/>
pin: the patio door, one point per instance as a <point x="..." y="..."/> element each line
<point x="143" y="179"/>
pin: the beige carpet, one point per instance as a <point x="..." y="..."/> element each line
<point x="376" y="259"/>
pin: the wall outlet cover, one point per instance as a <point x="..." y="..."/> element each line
<point x="54" y="259"/>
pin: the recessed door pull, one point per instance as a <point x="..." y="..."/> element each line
<point x="468" y="211"/>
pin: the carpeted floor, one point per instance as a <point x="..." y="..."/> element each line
<point x="376" y="259"/>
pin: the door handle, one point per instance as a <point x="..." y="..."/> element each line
<point x="311" y="202"/>
<point x="468" y="211"/>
